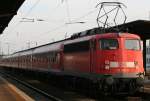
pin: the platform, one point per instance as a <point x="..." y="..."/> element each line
<point x="9" y="92"/>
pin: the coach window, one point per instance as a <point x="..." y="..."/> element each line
<point x="55" y="56"/>
<point x="108" y="44"/>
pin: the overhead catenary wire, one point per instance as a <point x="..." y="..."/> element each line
<point x="54" y="29"/>
<point x="68" y="15"/>
<point x="68" y="11"/>
<point x="29" y="11"/>
<point x="53" y="10"/>
<point x="65" y="24"/>
<point x="85" y="15"/>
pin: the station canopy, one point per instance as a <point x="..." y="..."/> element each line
<point x="8" y="8"/>
<point x="139" y="27"/>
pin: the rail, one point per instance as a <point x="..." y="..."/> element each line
<point x="53" y="98"/>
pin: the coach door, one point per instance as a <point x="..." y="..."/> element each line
<point x="49" y="60"/>
<point x="92" y="55"/>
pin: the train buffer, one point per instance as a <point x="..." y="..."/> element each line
<point x="9" y="92"/>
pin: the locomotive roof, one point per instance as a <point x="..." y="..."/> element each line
<point x="113" y="35"/>
<point x="80" y="39"/>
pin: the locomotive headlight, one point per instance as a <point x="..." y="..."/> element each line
<point x="107" y="64"/>
<point x="111" y="64"/>
<point x="130" y="64"/>
<point x="114" y="64"/>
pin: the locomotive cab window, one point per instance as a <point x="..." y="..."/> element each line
<point x="108" y="44"/>
<point x="132" y="44"/>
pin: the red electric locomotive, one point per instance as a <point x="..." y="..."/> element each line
<point x="113" y="60"/>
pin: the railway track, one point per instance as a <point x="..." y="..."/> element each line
<point x="142" y="96"/>
<point x="51" y="92"/>
<point x="51" y="97"/>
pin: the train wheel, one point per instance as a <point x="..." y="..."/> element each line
<point x="132" y="87"/>
<point x="105" y="89"/>
<point x="113" y="89"/>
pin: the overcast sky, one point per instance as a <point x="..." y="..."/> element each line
<point x="55" y="14"/>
